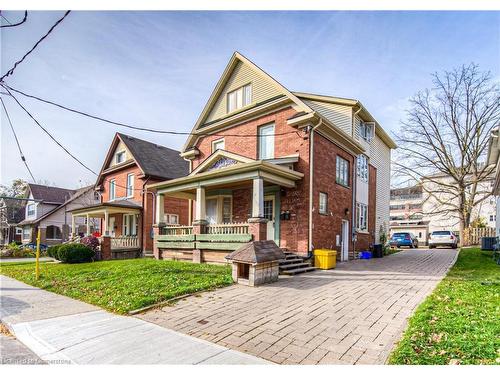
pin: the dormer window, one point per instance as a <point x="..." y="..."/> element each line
<point x="366" y="130"/>
<point x="120" y="157"/>
<point x="239" y="98"/>
<point x="31" y="209"/>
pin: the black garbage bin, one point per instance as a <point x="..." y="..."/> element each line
<point x="488" y="242"/>
<point x="378" y="251"/>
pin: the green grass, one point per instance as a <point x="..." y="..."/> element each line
<point x="122" y="285"/>
<point x="460" y="321"/>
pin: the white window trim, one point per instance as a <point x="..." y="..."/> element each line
<point x="120" y="153"/>
<point x="19" y="231"/>
<point x="323" y="210"/>
<point x="363" y="130"/>
<point x="218" y="141"/>
<point x="260" y="138"/>
<point x="133" y="225"/>
<point x="112" y="182"/>
<point x="168" y="216"/>
<point x="245" y="101"/>
<point x="28" y="209"/>
<point x="343" y="177"/>
<point x="362" y="208"/>
<point x="131" y="188"/>
<point x="362" y="168"/>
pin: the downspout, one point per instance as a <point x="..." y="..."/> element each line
<point x="311" y="176"/>
<point x="354" y="185"/>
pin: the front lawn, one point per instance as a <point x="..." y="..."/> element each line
<point x="122" y="285"/>
<point x="460" y="321"/>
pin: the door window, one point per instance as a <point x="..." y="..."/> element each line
<point x="211" y="208"/>
<point x="268" y="209"/>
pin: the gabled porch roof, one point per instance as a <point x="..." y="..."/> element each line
<point x="123" y="206"/>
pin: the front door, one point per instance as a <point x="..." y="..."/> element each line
<point x="111" y="226"/>
<point x="270" y="216"/>
<point x="344" y="241"/>
<point x="211" y="210"/>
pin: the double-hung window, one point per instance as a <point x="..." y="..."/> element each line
<point x="120" y="157"/>
<point x="218" y="144"/>
<point x="31" y="209"/>
<point x="130" y="185"/>
<point x="366" y="131"/>
<point x="323" y="203"/>
<point x="342" y="171"/>
<point x="172" y="219"/>
<point x="239" y="98"/>
<point x="361" y="216"/>
<point x="266" y="141"/>
<point x="362" y="168"/>
<point x="112" y="190"/>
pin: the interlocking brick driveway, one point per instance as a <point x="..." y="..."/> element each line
<point x="351" y="315"/>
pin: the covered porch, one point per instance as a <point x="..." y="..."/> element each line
<point x="120" y="226"/>
<point x="231" y="203"/>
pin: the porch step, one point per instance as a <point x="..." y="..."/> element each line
<point x="290" y="266"/>
<point x="148" y="255"/>
<point x="295" y="271"/>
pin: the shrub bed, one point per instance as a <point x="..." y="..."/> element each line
<point x="74" y="253"/>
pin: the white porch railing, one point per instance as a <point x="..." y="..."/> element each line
<point x="230" y="228"/>
<point x="177" y="230"/>
<point x="125" y="242"/>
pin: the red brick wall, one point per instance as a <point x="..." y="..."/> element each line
<point x="327" y="227"/>
<point x="364" y="240"/>
<point x="242" y="204"/>
<point x="120" y="177"/>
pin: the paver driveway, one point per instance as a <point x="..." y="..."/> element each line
<point x="353" y="314"/>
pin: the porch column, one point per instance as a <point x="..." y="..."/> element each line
<point x="257" y="224"/>
<point x="200" y="219"/>
<point x="160" y="209"/>
<point x="73" y="229"/>
<point x="88" y="225"/>
<point x="105" y="222"/>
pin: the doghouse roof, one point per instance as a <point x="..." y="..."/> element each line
<point x="257" y="252"/>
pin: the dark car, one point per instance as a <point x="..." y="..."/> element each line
<point x="32" y="246"/>
<point x="404" y="239"/>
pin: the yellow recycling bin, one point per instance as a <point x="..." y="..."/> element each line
<point x="325" y="259"/>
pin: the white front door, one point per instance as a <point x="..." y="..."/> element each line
<point x="344" y="241"/>
<point x="211" y="210"/>
<point x="269" y="215"/>
<point x="111" y="226"/>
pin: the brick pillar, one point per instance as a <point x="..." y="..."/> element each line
<point x="257" y="227"/>
<point x="43" y="236"/>
<point x="156" y="231"/>
<point x="106" y="248"/>
<point x="199" y="227"/>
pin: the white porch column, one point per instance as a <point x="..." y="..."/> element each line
<point x="88" y="225"/>
<point x="104" y="229"/>
<point x="73" y="229"/>
<point x="200" y="214"/>
<point x="258" y="198"/>
<point x="160" y="209"/>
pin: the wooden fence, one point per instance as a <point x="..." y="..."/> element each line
<point x="472" y="236"/>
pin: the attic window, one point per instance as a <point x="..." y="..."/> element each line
<point x="239" y="98"/>
<point x="120" y="157"/>
<point x="366" y="130"/>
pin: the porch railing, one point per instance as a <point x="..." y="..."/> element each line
<point x="125" y="242"/>
<point x="230" y="228"/>
<point x="177" y="230"/>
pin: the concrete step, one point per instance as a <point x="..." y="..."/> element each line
<point x="296" y="271"/>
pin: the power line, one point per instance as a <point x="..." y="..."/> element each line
<point x="11" y="70"/>
<point x="50" y="135"/>
<point x="133" y="126"/>
<point x="17" y="141"/>
<point x="10" y="24"/>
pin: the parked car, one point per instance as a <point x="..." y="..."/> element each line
<point x="404" y="239"/>
<point x="32" y="246"/>
<point x="443" y="238"/>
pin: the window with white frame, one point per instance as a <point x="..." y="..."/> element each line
<point x="239" y="98"/>
<point x="366" y="130"/>
<point x="130" y="225"/>
<point x="342" y="171"/>
<point x="323" y="203"/>
<point x="266" y="141"/>
<point x="31" y="209"/>
<point x="120" y="157"/>
<point x="26" y="233"/>
<point x="227" y="210"/>
<point x="362" y="170"/>
<point x="218" y="144"/>
<point x="361" y="216"/>
<point x="19" y="231"/>
<point x="172" y="219"/>
<point x="130" y="185"/>
<point x="112" y="190"/>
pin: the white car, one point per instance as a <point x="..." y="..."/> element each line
<point x="443" y="238"/>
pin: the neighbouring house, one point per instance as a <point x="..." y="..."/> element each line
<point x="48" y="209"/>
<point x="494" y="160"/>
<point x="10" y="216"/>
<point x="305" y="170"/>
<point x="125" y="209"/>
<point x="406" y="213"/>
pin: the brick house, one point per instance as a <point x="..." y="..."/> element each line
<point x="125" y="210"/>
<point x="253" y="153"/>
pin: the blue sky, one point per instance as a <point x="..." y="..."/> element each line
<point x="157" y="69"/>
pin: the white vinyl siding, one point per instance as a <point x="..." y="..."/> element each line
<point x="342" y="171"/>
<point x="361" y="217"/>
<point x="263" y="89"/>
<point x="130" y="185"/>
<point x="338" y="115"/>
<point x="112" y="190"/>
<point x="266" y="142"/>
<point x="380" y="158"/>
<point x="362" y="168"/>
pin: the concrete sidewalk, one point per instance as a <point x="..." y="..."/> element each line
<point x="62" y="330"/>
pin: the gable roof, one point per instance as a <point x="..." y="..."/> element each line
<point x="218" y="155"/>
<point x="50" y="194"/>
<point x="154" y="160"/>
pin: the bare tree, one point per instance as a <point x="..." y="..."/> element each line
<point x="444" y="140"/>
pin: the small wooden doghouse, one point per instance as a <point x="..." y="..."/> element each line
<point x="256" y="263"/>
